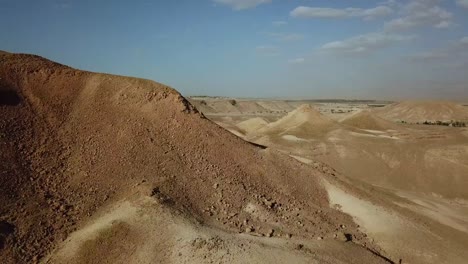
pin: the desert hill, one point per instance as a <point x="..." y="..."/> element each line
<point x="252" y="125"/>
<point x="421" y="111"/>
<point x="90" y="159"/>
<point x="398" y="156"/>
<point x="367" y="120"/>
<point x="304" y="121"/>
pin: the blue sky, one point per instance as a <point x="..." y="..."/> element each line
<point x="256" y="48"/>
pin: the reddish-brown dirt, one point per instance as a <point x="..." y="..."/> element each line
<point x="72" y="141"/>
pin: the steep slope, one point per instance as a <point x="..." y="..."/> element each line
<point x="75" y="142"/>
<point x="252" y="125"/>
<point x="420" y="111"/>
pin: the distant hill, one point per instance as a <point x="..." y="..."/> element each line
<point x="367" y="120"/>
<point x="252" y="125"/>
<point x="305" y="121"/>
<point x="420" y="111"/>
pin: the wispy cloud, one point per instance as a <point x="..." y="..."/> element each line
<point x="296" y="61"/>
<point x="268" y="51"/>
<point x="324" y="12"/>
<point x="279" y="23"/>
<point x="443" y="24"/>
<point x="287" y="36"/>
<point x="420" y="13"/>
<point x="62" y="4"/>
<point x="462" y="3"/>
<point x="364" y="44"/>
<point x="242" y="4"/>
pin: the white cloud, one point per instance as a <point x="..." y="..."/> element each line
<point x="279" y="23"/>
<point x="364" y="43"/>
<point x="323" y="12"/>
<point x="462" y="3"/>
<point x="421" y="13"/>
<point x="389" y="3"/>
<point x="376" y="12"/>
<point x="242" y="4"/>
<point x="296" y="61"/>
<point x="443" y="24"/>
<point x="267" y="51"/>
<point x="287" y="36"/>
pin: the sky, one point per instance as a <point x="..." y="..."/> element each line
<point x="350" y="49"/>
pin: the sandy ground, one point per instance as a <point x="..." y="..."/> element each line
<point x="171" y="237"/>
<point x="98" y="168"/>
<point x="398" y="235"/>
<point x="415" y="207"/>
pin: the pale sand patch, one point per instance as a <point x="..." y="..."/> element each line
<point x="172" y="238"/>
<point x="374" y="131"/>
<point x="442" y="210"/>
<point x="341" y="150"/>
<point x="301" y="159"/>
<point x="372" y="135"/>
<point x="389" y="137"/>
<point x="121" y="212"/>
<point x="362" y="134"/>
<point x="400" y="237"/>
<point x="334" y="139"/>
<point x="396" y="235"/>
<point x="373" y="219"/>
<point x="293" y="138"/>
<point x="391" y="161"/>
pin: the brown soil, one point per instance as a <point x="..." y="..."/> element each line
<point x="73" y="142"/>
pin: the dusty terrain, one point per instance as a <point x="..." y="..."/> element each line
<point x="95" y="164"/>
<point x="421" y="111"/>
<point x="98" y="168"/>
<point x="419" y="171"/>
